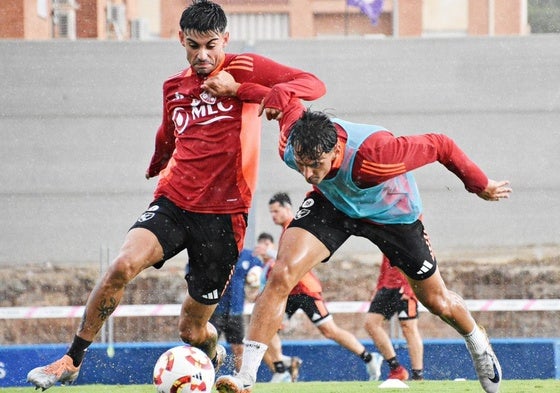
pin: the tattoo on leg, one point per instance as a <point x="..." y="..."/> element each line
<point x="105" y="310"/>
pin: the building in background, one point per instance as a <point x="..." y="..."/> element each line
<point x="280" y="19"/>
<point x="262" y="19"/>
<point x="74" y="19"/>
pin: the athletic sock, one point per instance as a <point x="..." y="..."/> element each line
<point x="476" y="341"/>
<point x="253" y="353"/>
<point x="417" y="374"/>
<point x="279" y="367"/>
<point x="78" y="350"/>
<point x="393" y="363"/>
<point x="214" y="361"/>
<point x="366" y="356"/>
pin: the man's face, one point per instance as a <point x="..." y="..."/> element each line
<point x="280" y="214"/>
<point x="314" y="171"/>
<point x="205" y="51"/>
<point x="263" y="249"/>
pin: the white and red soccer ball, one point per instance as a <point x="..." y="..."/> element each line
<point x="253" y="279"/>
<point x="184" y="369"/>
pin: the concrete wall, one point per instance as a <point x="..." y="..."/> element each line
<point x="77" y="125"/>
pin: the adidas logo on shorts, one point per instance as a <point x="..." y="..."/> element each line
<point x="426" y="266"/>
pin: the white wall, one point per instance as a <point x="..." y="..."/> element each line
<point x="77" y="122"/>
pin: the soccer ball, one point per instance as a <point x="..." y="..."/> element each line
<point x="253" y="278"/>
<point x="184" y="369"/>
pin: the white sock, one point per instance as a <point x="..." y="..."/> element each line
<point x="476" y="341"/>
<point x="253" y="353"/>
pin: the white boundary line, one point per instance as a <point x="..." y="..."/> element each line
<point x="157" y="310"/>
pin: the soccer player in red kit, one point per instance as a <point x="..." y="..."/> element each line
<point x="394" y="295"/>
<point x="363" y="186"/>
<point x="206" y="156"/>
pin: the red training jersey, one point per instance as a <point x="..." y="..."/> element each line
<point x="207" y="148"/>
<point x="392" y="278"/>
<point x="309" y="285"/>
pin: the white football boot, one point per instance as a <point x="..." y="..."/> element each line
<point x="374" y="366"/>
<point x="281" y="377"/>
<point x="488" y="370"/>
<point x="62" y="370"/>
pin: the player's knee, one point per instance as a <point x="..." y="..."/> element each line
<point x="438" y="306"/>
<point x="406" y="328"/>
<point x="190" y="335"/>
<point x="203" y="337"/>
<point x="368" y="326"/>
<point x="371" y="325"/>
<point x="281" y="280"/>
<point x="328" y="333"/>
<point x="374" y="320"/>
<point x="121" y="271"/>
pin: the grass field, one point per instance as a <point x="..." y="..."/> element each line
<point x="511" y="386"/>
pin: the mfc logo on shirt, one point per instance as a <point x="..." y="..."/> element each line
<point x="210" y="109"/>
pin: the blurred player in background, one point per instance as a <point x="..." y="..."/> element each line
<point x="395" y="296"/>
<point x="307" y="295"/>
<point x="363" y="186"/>
<point x="206" y="156"/>
<point x="228" y="316"/>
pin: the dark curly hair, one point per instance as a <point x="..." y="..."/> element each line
<point x="282" y="198"/>
<point x="203" y="16"/>
<point x="265" y="236"/>
<point x="312" y="135"/>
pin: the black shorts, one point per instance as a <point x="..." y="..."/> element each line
<point x="315" y="309"/>
<point x="389" y="301"/>
<point x="212" y="242"/>
<point x="232" y="326"/>
<point x="406" y="245"/>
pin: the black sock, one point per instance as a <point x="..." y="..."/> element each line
<point x="214" y="361"/>
<point x="393" y="363"/>
<point x="279" y="367"/>
<point x="77" y="350"/>
<point x="417" y="374"/>
<point x="366" y="356"/>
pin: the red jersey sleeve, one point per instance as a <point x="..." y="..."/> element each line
<point x="283" y="82"/>
<point x="383" y="156"/>
<point x="290" y="114"/>
<point x="164" y="144"/>
<point x="252" y="92"/>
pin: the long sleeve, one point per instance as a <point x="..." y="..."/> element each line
<point x="164" y="145"/>
<point x="290" y="114"/>
<point x="278" y="83"/>
<point x="383" y="156"/>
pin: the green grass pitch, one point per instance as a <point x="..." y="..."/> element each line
<point x="508" y="386"/>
